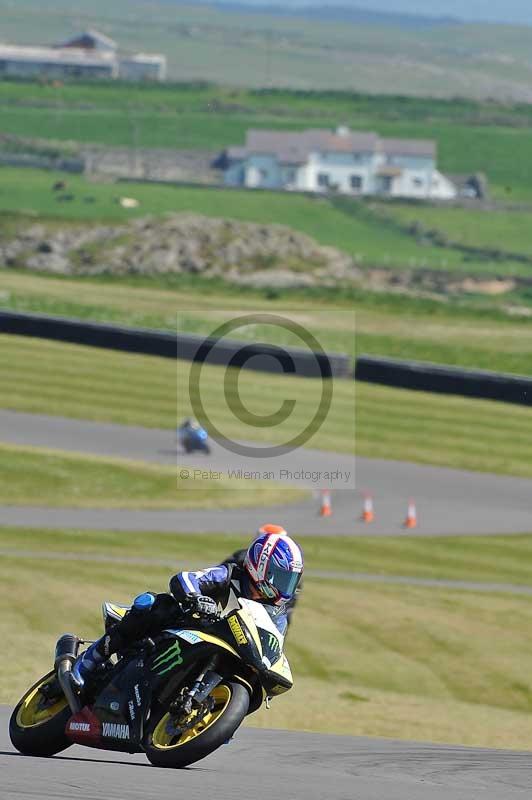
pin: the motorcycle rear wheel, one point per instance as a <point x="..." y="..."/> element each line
<point x="166" y="749"/>
<point x="37" y="726"/>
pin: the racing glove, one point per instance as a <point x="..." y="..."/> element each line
<point x="205" y="607"/>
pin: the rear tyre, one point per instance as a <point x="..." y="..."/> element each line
<point x="166" y="749"/>
<point x="37" y="725"/>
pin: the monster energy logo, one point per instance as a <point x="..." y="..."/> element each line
<point x="273" y="642"/>
<point x="169" y="659"/>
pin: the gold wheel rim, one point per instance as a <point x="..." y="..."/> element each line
<point x="29" y="715"/>
<point x="163" y="740"/>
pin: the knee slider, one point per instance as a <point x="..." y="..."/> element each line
<point x="144" y="602"/>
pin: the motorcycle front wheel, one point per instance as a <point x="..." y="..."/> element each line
<point x="37" y="724"/>
<point x="166" y="747"/>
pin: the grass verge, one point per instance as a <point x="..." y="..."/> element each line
<point x="88" y="383"/>
<point x="369" y="660"/>
<point x="497" y="559"/>
<point x="464" y="333"/>
<point x="37" y="477"/>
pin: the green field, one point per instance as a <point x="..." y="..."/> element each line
<point x="408" y="662"/>
<point x="37" y="477"/>
<point x="85" y="383"/>
<point x="471" y="138"/>
<point x="352" y="227"/>
<point x="498" y="231"/>
<point x="373" y="235"/>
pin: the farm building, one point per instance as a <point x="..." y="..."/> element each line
<point x="89" y="55"/>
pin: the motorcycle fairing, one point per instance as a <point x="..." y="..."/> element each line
<point x="259" y="647"/>
<point x="115" y="720"/>
<point x="260" y="644"/>
<point x="194" y="637"/>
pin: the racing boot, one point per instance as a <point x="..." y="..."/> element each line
<point x="87" y="662"/>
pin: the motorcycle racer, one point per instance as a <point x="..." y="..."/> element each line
<point x="269" y="572"/>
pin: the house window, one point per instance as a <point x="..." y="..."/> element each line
<point x="324" y="180"/>
<point x="263" y="174"/>
<point x="418" y="182"/>
<point x="355" y="181"/>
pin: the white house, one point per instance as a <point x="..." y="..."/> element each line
<point x="89" y="55"/>
<point x="343" y="161"/>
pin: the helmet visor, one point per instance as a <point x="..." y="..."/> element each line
<point x="284" y="581"/>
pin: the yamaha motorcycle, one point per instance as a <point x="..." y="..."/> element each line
<point x="194" y="439"/>
<point x="176" y="697"/>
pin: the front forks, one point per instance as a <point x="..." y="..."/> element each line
<point x="206" y="681"/>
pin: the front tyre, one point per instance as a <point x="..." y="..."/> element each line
<point x="166" y="748"/>
<point x="37" y="725"/>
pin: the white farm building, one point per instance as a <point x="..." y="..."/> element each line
<point x="89" y="55"/>
<point x="342" y="161"/>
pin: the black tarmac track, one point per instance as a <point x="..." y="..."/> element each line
<point x="274" y="765"/>
<point x="448" y="501"/>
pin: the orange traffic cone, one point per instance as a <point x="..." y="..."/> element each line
<point x="367" y="511"/>
<point x="325" y="508"/>
<point x="411" y="515"/>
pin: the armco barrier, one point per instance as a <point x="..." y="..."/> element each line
<point x="189" y="347"/>
<point x="429" y="377"/>
<point x="422" y="376"/>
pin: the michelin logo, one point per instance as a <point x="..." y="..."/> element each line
<point x="115" y="731"/>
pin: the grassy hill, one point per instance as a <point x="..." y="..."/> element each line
<point x="259" y="49"/>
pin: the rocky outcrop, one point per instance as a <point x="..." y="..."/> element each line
<point x="265" y="256"/>
<point x="182" y="243"/>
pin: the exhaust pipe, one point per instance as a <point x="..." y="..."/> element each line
<point x="66" y="652"/>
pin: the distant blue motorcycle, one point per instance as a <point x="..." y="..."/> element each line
<point x="193" y="437"/>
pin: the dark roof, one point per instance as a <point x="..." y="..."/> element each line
<point x="89" y="40"/>
<point x="294" y="147"/>
<point x="311" y="139"/>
